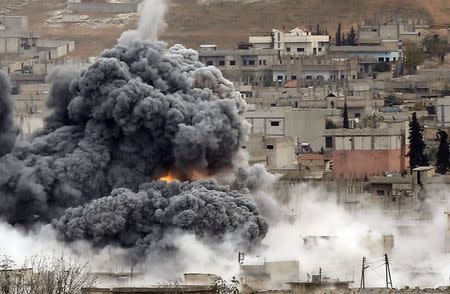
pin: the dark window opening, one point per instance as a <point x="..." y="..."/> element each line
<point x="221" y="62"/>
<point x="357" y="114"/>
<point x="274" y="123"/>
<point x="232" y="62"/>
<point x="380" y="192"/>
<point x="288" y="49"/>
<point x="279" y="78"/>
<point x="380" y="59"/>
<point x="251" y="62"/>
<point x="270" y="147"/>
<point x="300" y="49"/>
<point x="328" y="142"/>
<point x="294" y="78"/>
<point x="210" y="62"/>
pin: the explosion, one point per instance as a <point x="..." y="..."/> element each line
<point x="138" y="110"/>
<point x="168" y="179"/>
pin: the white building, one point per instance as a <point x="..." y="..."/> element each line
<point x="294" y="42"/>
<point x="443" y="111"/>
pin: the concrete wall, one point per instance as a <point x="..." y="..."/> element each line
<point x="364" y="163"/>
<point x="102" y="7"/>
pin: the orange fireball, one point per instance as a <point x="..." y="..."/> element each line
<point x="168" y="179"/>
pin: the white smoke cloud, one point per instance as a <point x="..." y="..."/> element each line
<point x="151" y="22"/>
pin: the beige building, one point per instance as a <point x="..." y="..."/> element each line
<point x="268" y="276"/>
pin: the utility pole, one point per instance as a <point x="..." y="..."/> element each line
<point x="320" y="275"/>
<point x="388" y="272"/>
<point x="362" y="285"/>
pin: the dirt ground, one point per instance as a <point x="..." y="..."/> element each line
<point x="226" y="23"/>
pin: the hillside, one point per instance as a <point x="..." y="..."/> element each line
<point x="226" y="22"/>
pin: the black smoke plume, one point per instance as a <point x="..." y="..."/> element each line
<point x="139" y="220"/>
<point x="138" y="112"/>
<point x="8" y="130"/>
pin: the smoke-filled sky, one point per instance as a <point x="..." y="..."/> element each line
<point x="88" y="181"/>
<point x="140" y="111"/>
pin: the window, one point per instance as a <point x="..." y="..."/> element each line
<point x="328" y="142"/>
<point x="260" y="62"/>
<point x="342" y="77"/>
<point x="354" y="77"/>
<point x="275" y="123"/>
<point x="288" y="49"/>
<point x="309" y="77"/>
<point x="270" y="147"/>
<point x="209" y="62"/>
<point x="293" y="78"/>
<point x="300" y="49"/>
<point x="380" y="59"/>
<point x="357" y="114"/>
<point x="320" y="49"/>
<point x="387" y="59"/>
<point x="394" y="59"/>
<point x="251" y="62"/>
<point x="232" y="62"/>
<point x="380" y="192"/>
<point x="264" y="62"/>
<point x="279" y="78"/>
<point x="221" y="62"/>
<point x="273" y="105"/>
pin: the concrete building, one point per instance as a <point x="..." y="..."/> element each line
<point x="277" y="153"/>
<point x="268" y="276"/>
<point x="294" y="42"/>
<point x="266" y="66"/>
<point x="443" y="111"/>
<point x="404" y="29"/>
<point x="304" y="125"/>
<point x="378" y="53"/>
<point x="318" y="287"/>
<point x="360" y="153"/>
<point x="21" y="48"/>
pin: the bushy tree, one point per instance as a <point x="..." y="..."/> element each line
<point x="49" y="274"/>
<point x="382" y="66"/>
<point x="414" y="56"/>
<point x="416" y="153"/>
<point x="442" y="155"/>
<point x="434" y="46"/>
<point x="391" y="100"/>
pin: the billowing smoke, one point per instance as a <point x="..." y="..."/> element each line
<point x="140" y="111"/>
<point x="136" y="220"/>
<point x="8" y="130"/>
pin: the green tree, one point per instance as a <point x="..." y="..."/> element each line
<point x="446" y="91"/>
<point x="382" y="66"/>
<point x="338" y="35"/>
<point x="434" y="46"/>
<point x="442" y="155"/>
<point x="414" y="56"/>
<point x="391" y="100"/>
<point x="416" y="153"/>
<point x="346" y="123"/>
<point x="351" y="37"/>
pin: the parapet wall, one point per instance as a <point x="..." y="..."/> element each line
<point x="102" y="7"/>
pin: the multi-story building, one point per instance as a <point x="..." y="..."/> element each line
<point x="361" y="153"/>
<point x="266" y="66"/>
<point x="304" y="125"/>
<point x="387" y="52"/>
<point x="294" y="42"/>
<point x="21" y="48"/>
